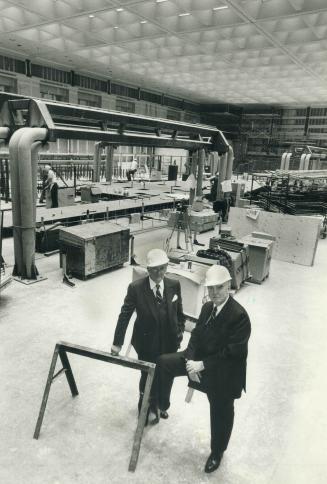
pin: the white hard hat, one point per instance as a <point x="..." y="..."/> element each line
<point x="156" y="257"/>
<point x="217" y="275"/>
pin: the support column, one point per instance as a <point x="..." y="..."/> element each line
<point x="24" y="165"/>
<point x="195" y="156"/>
<point x="15" y="200"/>
<point x="97" y="161"/>
<point x="199" y="180"/>
<point x="230" y="160"/>
<point x="222" y="175"/>
<point x="109" y="162"/>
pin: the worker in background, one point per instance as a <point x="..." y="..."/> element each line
<point x="159" y="323"/>
<point x="51" y="191"/>
<point x="214" y="187"/>
<point x="46" y="172"/>
<point x="133" y="169"/>
<point x="215" y="358"/>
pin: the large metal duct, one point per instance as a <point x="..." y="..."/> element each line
<point x="109" y="162"/>
<point x="98" y="146"/>
<point x="307" y="162"/>
<point x="302" y="159"/>
<point x="24" y="165"/>
<point x="222" y="175"/>
<point x="287" y="161"/>
<point x="282" y="161"/>
<point x="230" y="160"/>
<point x="15" y="198"/>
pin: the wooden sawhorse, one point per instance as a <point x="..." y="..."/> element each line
<point x="61" y="349"/>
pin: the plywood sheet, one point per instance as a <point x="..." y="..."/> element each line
<point x="296" y="236"/>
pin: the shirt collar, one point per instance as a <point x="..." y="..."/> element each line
<point x="219" y="308"/>
<point x="153" y="285"/>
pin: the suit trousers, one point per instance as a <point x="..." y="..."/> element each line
<point x="154" y="392"/>
<point x="221" y="406"/>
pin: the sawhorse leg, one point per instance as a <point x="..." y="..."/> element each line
<point x="141" y="421"/>
<point x="66" y="368"/>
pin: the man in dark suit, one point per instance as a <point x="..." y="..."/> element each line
<point x="159" y="323"/>
<point x="215" y="358"/>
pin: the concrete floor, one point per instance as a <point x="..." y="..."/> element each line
<point x="280" y="427"/>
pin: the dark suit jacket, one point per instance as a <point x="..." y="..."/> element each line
<point x="140" y="297"/>
<point x="222" y="346"/>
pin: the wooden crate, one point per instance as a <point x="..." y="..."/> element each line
<point x="199" y="221"/>
<point x="93" y="247"/>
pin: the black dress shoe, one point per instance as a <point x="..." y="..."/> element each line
<point x="152" y="417"/>
<point x="197" y="243"/>
<point x="164" y="414"/>
<point x="212" y="463"/>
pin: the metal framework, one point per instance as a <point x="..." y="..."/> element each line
<point x="29" y="122"/>
<point x="70" y="121"/>
<point x="61" y="350"/>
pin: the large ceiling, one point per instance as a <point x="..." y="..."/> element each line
<point x="211" y="51"/>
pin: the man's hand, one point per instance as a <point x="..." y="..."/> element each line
<point x="115" y="350"/>
<point x="194" y="366"/>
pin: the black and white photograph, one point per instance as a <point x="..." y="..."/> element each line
<point x="163" y="241"/>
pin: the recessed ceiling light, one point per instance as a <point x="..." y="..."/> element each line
<point x="91" y="16"/>
<point x="184" y="14"/>
<point x="143" y="22"/>
<point x="220" y="8"/>
<point x="161" y="1"/>
<point x="119" y="9"/>
<point x="116" y="27"/>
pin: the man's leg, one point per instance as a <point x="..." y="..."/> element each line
<point x="221" y="422"/>
<point x="169" y="366"/>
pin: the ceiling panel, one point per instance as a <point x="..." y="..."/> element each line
<point x="244" y="51"/>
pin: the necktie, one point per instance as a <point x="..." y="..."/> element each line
<point x="212" y="316"/>
<point x="158" y="294"/>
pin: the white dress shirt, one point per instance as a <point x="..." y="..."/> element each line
<point x="153" y="287"/>
<point x="219" y="308"/>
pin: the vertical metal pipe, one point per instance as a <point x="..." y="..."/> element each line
<point x="199" y="179"/>
<point x="222" y="175"/>
<point x="230" y="159"/>
<point x="195" y="156"/>
<point x="15" y="200"/>
<point x="97" y="161"/>
<point x="109" y="162"/>
<point x="27" y="188"/>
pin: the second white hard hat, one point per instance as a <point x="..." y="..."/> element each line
<point x="217" y="275"/>
<point x="156" y="257"/>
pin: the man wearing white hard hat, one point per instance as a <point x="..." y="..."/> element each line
<point x="159" y="323"/>
<point x="216" y="358"/>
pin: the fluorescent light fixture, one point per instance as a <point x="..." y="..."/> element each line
<point x="161" y="1"/>
<point x="184" y="14"/>
<point x="119" y="9"/>
<point x="91" y="16"/>
<point x="220" y="8"/>
<point x="143" y="22"/>
<point x="116" y="27"/>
